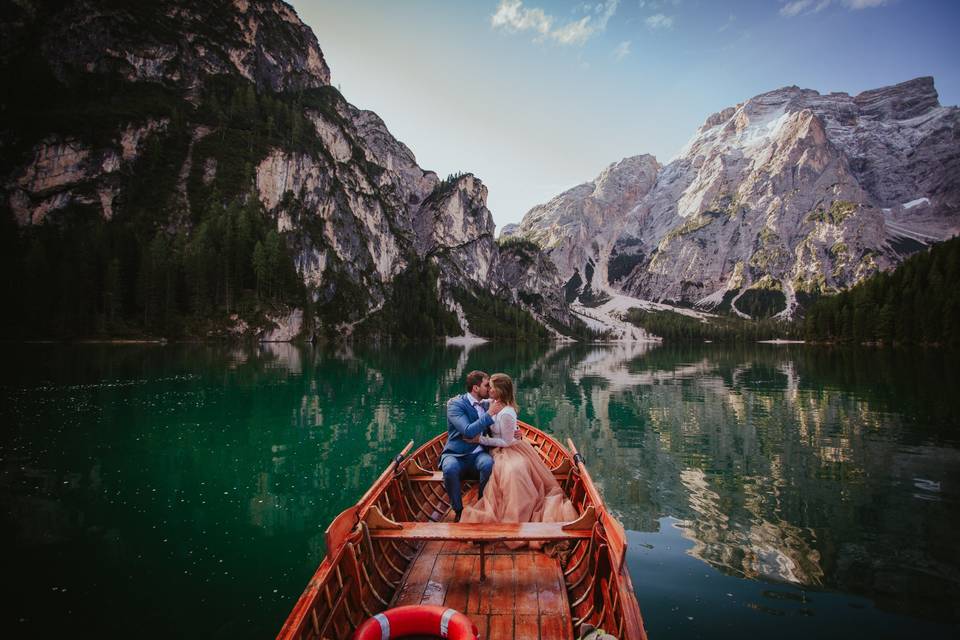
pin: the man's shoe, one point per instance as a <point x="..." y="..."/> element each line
<point x="456" y="517"/>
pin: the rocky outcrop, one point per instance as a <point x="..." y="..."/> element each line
<point x="62" y="170"/>
<point x="407" y="183"/>
<point x="285" y="328"/>
<point x="532" y="279"/>
<point x="456" y="231"/>
<point x="183" y="42"/>
<point x="179" y="45"/>
<point x="579" y="227"/>
<point x="789" y="193"/>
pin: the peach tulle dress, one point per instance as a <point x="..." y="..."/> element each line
<point x="521" y="488"/>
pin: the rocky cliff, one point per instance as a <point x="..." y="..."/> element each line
<point x="204" y="130"/>
<point x="579" y="227"/>
<point x="787" y="195"/>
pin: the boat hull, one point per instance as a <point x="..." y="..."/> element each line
<point x="397" y="546"/>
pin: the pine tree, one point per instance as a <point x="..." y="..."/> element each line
<point x="260" y="267"/>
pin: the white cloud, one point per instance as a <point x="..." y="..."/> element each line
<point x="864" y="4"/>
<point x="512" y="16"/>
<point x="659" y="21"/>
<point x="574" y="32"/>
<point x="657" y="4"/>
<point x="586" y="7"/>
<point x="794" y="8"/>
<point x="726" y="25"/>
<point x="798" y="7"/>
<point x="609" y="8"/>
<point x="622" y="50"/>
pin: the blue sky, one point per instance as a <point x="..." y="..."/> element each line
<point x="536" y="96"/>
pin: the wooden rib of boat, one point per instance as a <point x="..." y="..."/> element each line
<point x="398" y="546"/>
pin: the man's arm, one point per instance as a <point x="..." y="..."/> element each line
<point x="458" y="418"/>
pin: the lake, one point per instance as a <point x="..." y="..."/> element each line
<point x="183" y="490"/>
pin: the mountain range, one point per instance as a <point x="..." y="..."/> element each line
<point x="185" y="168"/>
<point x="782" y="198"/>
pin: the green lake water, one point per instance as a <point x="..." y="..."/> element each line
<point x="183" y="490"/>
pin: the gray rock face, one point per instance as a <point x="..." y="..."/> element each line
<point x="456" y="230"/>
<point x="579" y="227"/>
<point x="58" y="166"/>
<point x="182" y="42"/>
<point x="790" y="192"/>
<point x="531" y="279"/>
<point x="285" y="328"/>
<point x="366" y="220"/>
<point x="351" y="201"/>
<point x="175" y="44"/>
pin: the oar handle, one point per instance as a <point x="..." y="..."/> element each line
<point x="577" y="456"/>
<point x="397" y="459"/>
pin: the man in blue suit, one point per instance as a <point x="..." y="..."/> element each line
<point x="463" y="457"/>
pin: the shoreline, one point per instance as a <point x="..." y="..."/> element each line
<point x="465" y="341"/>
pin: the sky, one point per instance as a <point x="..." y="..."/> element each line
<point x="537" y="96"/>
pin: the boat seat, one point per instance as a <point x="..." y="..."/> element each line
<point x="415" y="472"/>
<point x="437" y="476"/>
<point x="380" y="527"/>
<point x="486" y="532"/>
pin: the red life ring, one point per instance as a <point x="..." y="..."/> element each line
<point x="411" y="620"/>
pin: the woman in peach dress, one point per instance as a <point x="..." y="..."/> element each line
<point x="521" y="487"/>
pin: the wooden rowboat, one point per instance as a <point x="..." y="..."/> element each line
<point x="398" y="546"/>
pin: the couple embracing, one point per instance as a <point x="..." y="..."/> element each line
<point x="484" y="444"/>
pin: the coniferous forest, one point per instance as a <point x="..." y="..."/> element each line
<point x="166" y="264"/>
<point x="188" y="265"/>
<point x="675" y="327"/>
<point x="917" y="303"/>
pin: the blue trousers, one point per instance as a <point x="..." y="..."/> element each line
<point x="467" y="467"/>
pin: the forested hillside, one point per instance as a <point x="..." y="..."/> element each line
<point x="163" y="265"/>
<point x="917" y="303"/>
<point x="675" y="327"/>
<point x="185" y="169"/>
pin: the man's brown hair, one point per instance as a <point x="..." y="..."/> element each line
<point x="475" y="378"/>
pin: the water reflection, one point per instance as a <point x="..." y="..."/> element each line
<point x="212" y="471"/>
<point x="773" y="473"/>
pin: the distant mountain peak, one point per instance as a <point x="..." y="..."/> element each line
<point x="788" y="194"/>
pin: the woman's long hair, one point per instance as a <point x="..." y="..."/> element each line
<point x="504" y="386"/>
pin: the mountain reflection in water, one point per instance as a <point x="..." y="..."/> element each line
<point x="211" y="472"/>
<point x="815" y="467"/>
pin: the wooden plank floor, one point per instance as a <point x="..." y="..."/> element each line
<point x="523" y="596"/>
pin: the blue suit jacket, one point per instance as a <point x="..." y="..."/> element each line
<point x="463" y="421"/>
